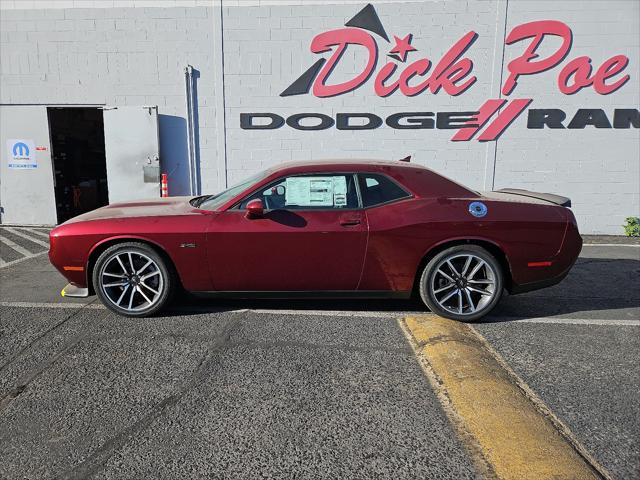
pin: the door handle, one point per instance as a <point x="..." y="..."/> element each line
<point x="350" y="222"/>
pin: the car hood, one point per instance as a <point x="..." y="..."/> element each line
<point x="138" y="208"/>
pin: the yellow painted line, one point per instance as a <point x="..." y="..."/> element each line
<point x="497" y="415"/>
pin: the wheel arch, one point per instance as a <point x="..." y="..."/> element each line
<point x="101" y="246"/>
<point x="488" y="245"/>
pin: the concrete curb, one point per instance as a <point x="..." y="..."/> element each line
<point x="514" y="432"/>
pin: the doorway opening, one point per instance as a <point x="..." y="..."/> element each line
<point x="79" y="162"/>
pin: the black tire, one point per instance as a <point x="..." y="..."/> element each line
<point x="433" y="282"/>
<point x="161" y="279"/>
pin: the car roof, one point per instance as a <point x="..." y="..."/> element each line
<point x="355" y="164"/>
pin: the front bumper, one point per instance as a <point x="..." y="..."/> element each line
<point x="67" y="262"/>
<point x="73" y="291"/>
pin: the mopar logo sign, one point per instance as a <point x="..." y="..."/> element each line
<point x="21" y="154"/>
<point x="20" y="150"/>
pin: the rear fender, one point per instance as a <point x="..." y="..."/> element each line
<point x="494" y="248"/>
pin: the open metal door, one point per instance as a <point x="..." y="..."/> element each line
<point x="132" y="153"/>
<point x="26" y="174"/>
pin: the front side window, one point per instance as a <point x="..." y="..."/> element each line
<point x="377" y="189"/>
<point x="308" y="192"/>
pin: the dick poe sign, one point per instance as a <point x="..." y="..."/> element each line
<point x="409" y="74"/>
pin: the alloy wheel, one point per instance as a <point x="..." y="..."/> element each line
<point x="131" y="281"/>
<point x="464" y="284"/>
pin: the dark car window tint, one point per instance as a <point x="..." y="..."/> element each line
<point x="306" y="192"/>
<point x="377" y="189"/>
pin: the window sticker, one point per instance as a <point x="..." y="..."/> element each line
<point x="316" y="191"/>
<point x="339" y="191"/>
<point x="298" y="191"/>
<point x="321" y="192"/>
<point x="339" y="199"/>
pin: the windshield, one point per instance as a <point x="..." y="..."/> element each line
<point x="212" y="202"/>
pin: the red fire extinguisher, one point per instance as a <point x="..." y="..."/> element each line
<point x="164" y="186"/>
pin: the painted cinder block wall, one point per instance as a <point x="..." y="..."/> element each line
<point x="599" y="169"/>
<point x="116" y="57"/>
<point x="248" y="52"/>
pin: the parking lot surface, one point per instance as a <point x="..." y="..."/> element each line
<point x="330" y="389"/>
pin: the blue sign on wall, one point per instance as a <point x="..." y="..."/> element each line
<point x="22" y="154"/>
<point x="20" y="149"/>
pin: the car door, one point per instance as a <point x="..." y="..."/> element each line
<point x="312" y="237"/>
<point x="393" y="245"/>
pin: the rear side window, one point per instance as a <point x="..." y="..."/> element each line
<point x="377" y="189"/>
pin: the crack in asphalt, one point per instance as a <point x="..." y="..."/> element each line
<point x="221" y="342"/>
<point x="24" y="382"/>
<point x="102" y="454"/>
<point x="43" y="335"/>
<point x="43" y="366"/>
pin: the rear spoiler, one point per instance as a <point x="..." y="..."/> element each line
<point x="549" y="197"/>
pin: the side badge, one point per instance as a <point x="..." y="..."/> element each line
<point x="477" y="209"/>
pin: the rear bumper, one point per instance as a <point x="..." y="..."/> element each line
<point x="561" y="263"/>
<point x="529" y="287"/>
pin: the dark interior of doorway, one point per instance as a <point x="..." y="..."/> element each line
<point x="80" y="169"/>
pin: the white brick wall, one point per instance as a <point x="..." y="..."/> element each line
<point x="127" y="56"/>
<point x="117" y="56"/>
<point x="597" y="168"/>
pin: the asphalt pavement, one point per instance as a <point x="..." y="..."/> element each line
<point x="293" y="389"/>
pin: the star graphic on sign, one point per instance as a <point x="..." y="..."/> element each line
<point x="403" y="46"/>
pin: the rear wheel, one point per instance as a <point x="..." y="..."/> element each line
<point x="462" y="283"/>
<point x="133" y="280"/>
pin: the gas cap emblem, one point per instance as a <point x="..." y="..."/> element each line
<point x="477" y="209"/>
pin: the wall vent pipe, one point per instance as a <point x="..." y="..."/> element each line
<point x="191" y="133"/>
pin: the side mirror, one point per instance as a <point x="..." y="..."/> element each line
<point x="255" y="208"/>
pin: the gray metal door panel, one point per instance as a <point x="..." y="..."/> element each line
<point x="132" y="152"/>
<point x="26" y="180"/>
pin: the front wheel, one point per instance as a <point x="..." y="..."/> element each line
<point x="463" y="283"/>
<point x="131" y="279"/>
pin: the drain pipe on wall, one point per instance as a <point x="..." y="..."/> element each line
<point x="191" y="134"/>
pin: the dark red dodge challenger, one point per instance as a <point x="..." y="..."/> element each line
<point x="331" y="228"/>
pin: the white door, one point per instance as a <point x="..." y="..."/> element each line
<point x="26" y="173"/>
<point x="132" y="153"/>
